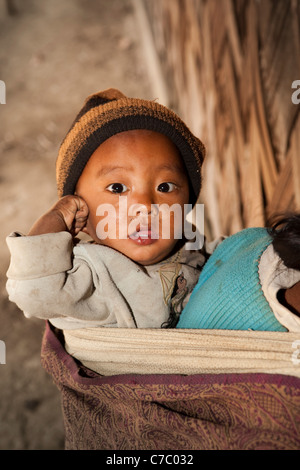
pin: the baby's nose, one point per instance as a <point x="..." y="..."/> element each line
<point x="143" y="208"/>
<point x="142" y="202"/>
<point x="140" y="210"/>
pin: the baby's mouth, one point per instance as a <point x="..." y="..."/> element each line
<point x="144" y="235"/>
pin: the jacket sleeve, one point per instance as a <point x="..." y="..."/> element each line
<point x="47" y="282"/>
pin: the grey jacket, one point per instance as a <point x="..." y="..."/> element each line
<point x="89" y="285"/>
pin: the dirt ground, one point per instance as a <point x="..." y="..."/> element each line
<point x="52" y="55"/>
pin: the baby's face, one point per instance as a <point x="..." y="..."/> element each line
<point x="124" y="183"/>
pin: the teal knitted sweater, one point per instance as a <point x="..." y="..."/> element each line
<point x="228" y="294"/>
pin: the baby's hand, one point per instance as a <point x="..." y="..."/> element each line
<point x="73" y="211"/>
<point x="70" y="214"/>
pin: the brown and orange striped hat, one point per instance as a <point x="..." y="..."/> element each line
<point x="109" y="112"/>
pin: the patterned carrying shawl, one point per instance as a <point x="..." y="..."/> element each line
<point x="172" y="411"/>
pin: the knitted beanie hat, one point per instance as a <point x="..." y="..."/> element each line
<point x="109" y="112"/>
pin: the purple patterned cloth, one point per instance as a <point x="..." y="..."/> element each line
<point x="172" y="412"/>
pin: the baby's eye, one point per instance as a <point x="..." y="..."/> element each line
<point x="117" y="188"/>
<point x="166" y="187"/>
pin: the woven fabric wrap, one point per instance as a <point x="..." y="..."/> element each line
<point x="173" y="412"/>
<point x="111" y="351"/>
<point x="115" y="113"/>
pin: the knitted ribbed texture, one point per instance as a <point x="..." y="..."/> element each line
<point x="228" y="294"/>
<point x="110" y="112"/>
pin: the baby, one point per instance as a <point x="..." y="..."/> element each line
<point x="121" y="167"/>
<point x="250" y="282"/>
<point x="123" y="164"/>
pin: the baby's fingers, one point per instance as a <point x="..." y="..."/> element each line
<point x="81" y="215"/>
<point x="80" y="222"/>
<point x="82" y="208"/>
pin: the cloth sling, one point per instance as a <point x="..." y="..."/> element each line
<point x="110" y="351"/>
<point x="194" y="390"/>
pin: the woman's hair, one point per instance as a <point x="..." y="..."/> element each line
<point x="285" y="232"/>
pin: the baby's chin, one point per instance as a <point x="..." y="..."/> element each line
<point x="147" y="257"/>
<point x="143" y="254"/>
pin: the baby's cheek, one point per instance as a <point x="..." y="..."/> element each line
<point x="106" y="225"/>
<point x="171" y="224"/>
